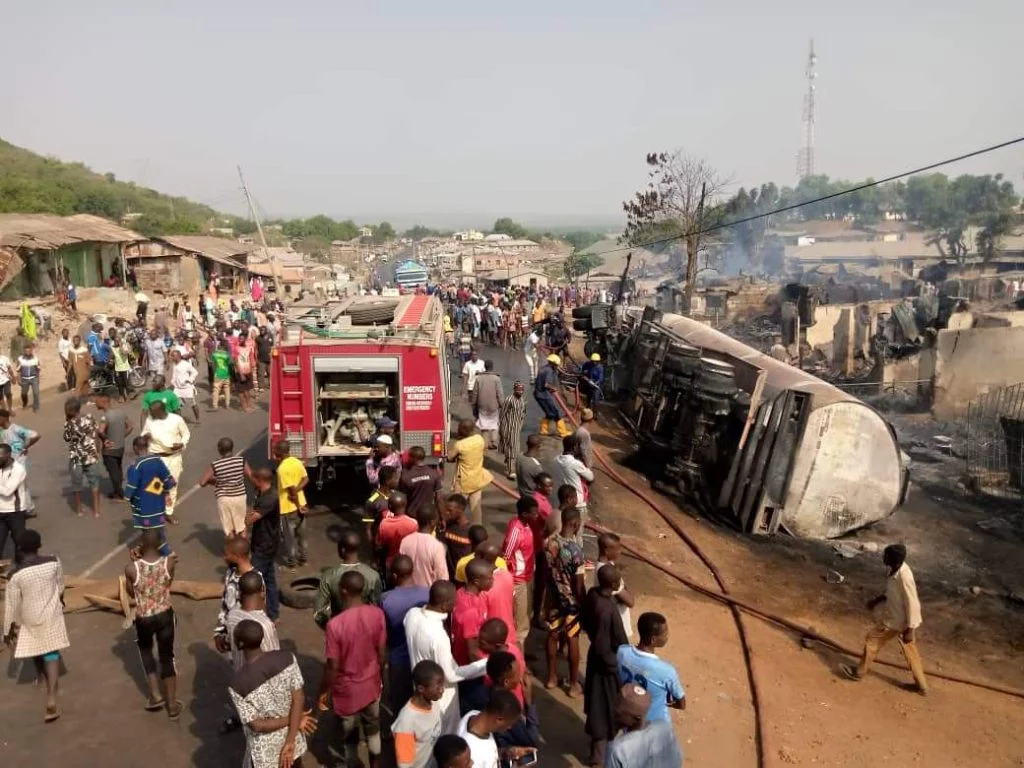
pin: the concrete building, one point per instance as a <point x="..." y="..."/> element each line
<point x="488" y="261"/>
<point x="525" y="278"/>
<point x="44" y="251"/>
<point x="519" y="246"/>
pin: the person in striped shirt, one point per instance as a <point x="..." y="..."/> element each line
<point x="227" y="475"/>
<point x="146" y="486"/>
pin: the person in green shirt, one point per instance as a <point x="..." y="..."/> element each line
<point x="159" y="394"/>
<point x="221" y="360"/>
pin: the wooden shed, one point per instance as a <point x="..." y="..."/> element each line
<point x="183" y="264"/>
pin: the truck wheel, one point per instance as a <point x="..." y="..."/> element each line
<point x="300" y="594"/>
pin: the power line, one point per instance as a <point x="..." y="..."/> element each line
<point x="832" y="196"/>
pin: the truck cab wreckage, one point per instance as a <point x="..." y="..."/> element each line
<point x="752" y="439"/>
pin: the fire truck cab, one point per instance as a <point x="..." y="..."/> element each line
<point x="342" y="366"/>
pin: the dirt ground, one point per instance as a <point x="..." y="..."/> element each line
<point x="115" y="302"/>
<point x="810" y="715"/>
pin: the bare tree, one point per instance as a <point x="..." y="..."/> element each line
<point x="680" y="199"/>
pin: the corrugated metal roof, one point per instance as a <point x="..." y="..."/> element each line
<point x="288" y="274"/>
<point x="913" y="246"/>
<point x="216" y="248"/>
<point x="39" y="230"/>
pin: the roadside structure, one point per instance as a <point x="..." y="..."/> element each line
<point x="39" y="252"/>
<point x="183" y="264"/>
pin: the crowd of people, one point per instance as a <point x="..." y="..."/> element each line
<point x="426" y="617"/>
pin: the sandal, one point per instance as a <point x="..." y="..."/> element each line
<point x="52" y="714"/>
<point x="849" y="672"/>
<point x="155" y="706"/>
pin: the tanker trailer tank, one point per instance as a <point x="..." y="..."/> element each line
<point x="772" y="446"/>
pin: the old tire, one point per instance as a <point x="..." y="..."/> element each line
<point x="300" y="594"/>
<point x="589" y="310"/>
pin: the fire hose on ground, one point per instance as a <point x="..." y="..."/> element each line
<point x="736" y="605"/>
<point x="725" y="598"/>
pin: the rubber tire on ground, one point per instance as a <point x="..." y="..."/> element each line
<point x="300" y="594"/>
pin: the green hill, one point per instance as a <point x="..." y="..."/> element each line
<point x="31" y="183"/>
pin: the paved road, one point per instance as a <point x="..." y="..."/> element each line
<point x="83" y="543"/>
<point x="102" y="689"/>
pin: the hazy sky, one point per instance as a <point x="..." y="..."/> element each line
<point x="455" y="112"/>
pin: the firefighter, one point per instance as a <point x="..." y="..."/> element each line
<point x="544" y="389"/>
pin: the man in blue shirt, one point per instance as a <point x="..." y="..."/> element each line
<point x="396" y="603"/>
<point x="593" y="378"/>
<point x="650" y="743"/>
<point x="99" y="348"/>
<point x="641" y="666"/>
<point x="146" y="488"/>
<point x="544" y="388"/>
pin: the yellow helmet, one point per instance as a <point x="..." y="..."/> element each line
<point x="554" y="359"/>
<point x="595" y="357"/>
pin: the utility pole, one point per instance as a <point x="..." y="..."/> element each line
<point x="275" y="270"/>
<point x="692" y="246"/>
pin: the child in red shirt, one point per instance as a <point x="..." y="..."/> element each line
<point x="394" y="528"/>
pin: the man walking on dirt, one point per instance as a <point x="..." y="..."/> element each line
<point x="901" y="619"/>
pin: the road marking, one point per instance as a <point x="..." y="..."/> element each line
<point x="135" y="537"/>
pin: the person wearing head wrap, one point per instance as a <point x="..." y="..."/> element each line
<point x="899" y="622"/>
<point x="641" y="742"/>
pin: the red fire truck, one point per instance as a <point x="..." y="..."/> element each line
<point x="342" y="366"/>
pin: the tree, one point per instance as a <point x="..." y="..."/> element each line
<point x="419" y="232"/>
<point x="948" y="208"/>
<point x="581" y="240"/>
<point x="578" y="264"/>
<point x="680" y="199"/>
<point x="320" y="226"/>
<point x="383" y="233"/>
<point x="506" y="226"/>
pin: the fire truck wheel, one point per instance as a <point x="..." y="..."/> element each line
<point x="300" y="594"/>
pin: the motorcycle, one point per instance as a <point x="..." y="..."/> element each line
<point x="101" y="379"/>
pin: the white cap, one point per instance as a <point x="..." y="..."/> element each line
<point x="385" y="440"/>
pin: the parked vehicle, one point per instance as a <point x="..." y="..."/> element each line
<point x="101" y="379"/>
<point x="342" y="365"/>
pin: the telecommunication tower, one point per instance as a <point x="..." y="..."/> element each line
<point x="805" y="160"/>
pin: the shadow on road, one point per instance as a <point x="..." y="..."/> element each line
<point x="126" y="651"/>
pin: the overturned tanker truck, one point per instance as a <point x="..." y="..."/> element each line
<point x="755" y="440"/>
